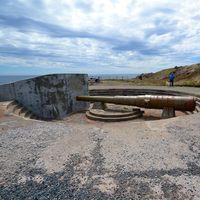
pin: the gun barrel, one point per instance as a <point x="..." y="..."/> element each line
<point x="183" y="103"/>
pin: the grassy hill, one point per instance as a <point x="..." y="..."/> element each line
<point x="185" y="76"/>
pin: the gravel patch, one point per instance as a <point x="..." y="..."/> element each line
<point x="115" y="161"/>
<point x="21" y="147"/>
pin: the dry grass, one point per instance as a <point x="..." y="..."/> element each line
<point x="185" y="76"/>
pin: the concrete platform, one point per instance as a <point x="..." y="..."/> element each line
<point x="187" y="90"/>
<point x="82" y="159"/>
<point x="114" y="113"/>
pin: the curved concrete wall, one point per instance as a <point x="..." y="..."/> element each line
<point x="49" y="96"/>
<point x="133" y="92"/>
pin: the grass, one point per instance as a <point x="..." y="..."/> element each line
<point x="185" y="76"/>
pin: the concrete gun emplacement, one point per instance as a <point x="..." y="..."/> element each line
<point x="182" y="103"/>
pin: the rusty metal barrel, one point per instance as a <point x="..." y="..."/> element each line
<point x="183" y="103"/>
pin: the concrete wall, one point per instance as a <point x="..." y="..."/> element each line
<point x="133" y="92"/>
<point x="49" y="96"/>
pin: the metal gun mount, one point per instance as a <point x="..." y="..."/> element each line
<point x="168" y="103"/>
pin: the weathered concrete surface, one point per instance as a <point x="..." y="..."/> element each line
<point x="168" y="113"/>
<point x="82" y="159"/>
<point x="129" y="89"/>
<point x="49" y="96"/>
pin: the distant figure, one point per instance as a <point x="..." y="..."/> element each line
<point x="97" y="80"/>
<point x="171" y="79"/>
<point x="91" y="81"/>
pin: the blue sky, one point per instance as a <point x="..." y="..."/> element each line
<point x="97" y="36"/>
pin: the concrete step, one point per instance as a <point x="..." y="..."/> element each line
<point x="18" y="111"/>
<point x="110" y="113"/>
<point x="112" y="119"/>
<point x="22" y="112"/>
<point x="197" y="108"/>
<point x="193" y="112"/>
<point x="5" y="104"/>
<point x="11" y="104"/>
<point x="185" y="112"/>
<point x="28" y="114"/>
<point x="197" y="103"/>
<point x="188" y="112"/>
<point x="16" y="108"/>
<point x="32" y="116"/>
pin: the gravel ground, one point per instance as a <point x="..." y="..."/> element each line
<point x="81" y="159"/>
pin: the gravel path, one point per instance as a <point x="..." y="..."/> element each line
<point x="81" y="159"/>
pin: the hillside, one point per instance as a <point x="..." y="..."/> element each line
<point x="185" y="76"/>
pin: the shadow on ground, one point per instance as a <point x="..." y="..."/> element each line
<point x="86" y="178"/>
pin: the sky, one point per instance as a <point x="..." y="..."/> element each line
<point x="97" y="36"/>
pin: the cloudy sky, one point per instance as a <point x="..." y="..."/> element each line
<point x="97" y="36"/>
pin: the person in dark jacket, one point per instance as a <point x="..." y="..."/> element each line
<point x="171" y="79"/>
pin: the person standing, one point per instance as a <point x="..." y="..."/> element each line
<point x="171" y="79"/>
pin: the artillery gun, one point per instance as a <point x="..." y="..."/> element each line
<point x="168" y="103"/>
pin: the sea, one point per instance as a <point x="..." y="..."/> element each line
<point x="4" y="79"/>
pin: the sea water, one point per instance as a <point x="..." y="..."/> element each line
<point x="13" y="78"/>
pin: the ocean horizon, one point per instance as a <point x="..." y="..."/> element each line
<point x="4" y="79"/>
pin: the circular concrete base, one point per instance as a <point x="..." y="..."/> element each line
<point x="143" y="90"/>
<point x="112" y="115"/>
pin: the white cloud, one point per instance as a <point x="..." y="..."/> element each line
<point x="99" y="36"/>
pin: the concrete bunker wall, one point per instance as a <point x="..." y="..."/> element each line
<point x="50" y="96"/>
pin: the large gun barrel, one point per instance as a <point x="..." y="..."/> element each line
<point x="183" y="103"/>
